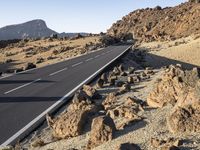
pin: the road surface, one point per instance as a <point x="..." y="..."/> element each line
<point x="25" y="98"/>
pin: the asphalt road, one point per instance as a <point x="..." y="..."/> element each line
<point x="25" y="96"/>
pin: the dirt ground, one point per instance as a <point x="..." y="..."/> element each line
<point x="42" y="52"/>
<point x="185" y="51"/>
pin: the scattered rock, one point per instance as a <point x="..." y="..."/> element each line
<point x="111" y="80"/>
<point x="38" y="143"/>
<point x="131" y="70"/>
<point x="123" y="74"/>
<point x="109" y="101"/>
<point x="102" y="130"/>
<point x="18" y="70"/>
<point x="104" y="78"/>
<point x="125" y="88"/>
<point x="128" y="146"/>
<point x="130" y="80"/>
<point x="168" y="144"/>
<point x="100" y="83"/>
<point x="29" y="66"/>
<point x="91" y="92"/>
<point x="119" y="83"/>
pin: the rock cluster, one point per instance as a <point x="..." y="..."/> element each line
<point x="122" y="114"/>
<point x="181" y="89"/>
<point x="71" y="123"/>
<point x="167" y="144"/>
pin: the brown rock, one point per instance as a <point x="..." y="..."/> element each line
<point x="116" y="71"/>
<point x="100" y="83"/>
<point x="124" y="115"/>
<point x="185" y="119"/>
<point x="109" y="101"/>
<point x="131" y="70"/>
<point x="130" y="80"/>
<point x="68" y="124"/>
<point x="104" y="77"/>
<point x="91" y="92"/>
<point x="169" y="147"/>
<point x="102" y="130"/>
<point x="111" y="80"/>
<point x="128" y="146"/>
<point x="176" y="87"/>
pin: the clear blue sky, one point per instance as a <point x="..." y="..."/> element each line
<point x="74" y="15"/>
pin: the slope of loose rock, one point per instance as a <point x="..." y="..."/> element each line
<point x="158" y="23"/>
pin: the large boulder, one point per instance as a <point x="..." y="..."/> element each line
<point x="102" y="131"/>
<point x="185" y="119"/>
<point x="68" y="124"/>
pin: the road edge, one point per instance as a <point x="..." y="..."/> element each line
<point x="39" y="119"/>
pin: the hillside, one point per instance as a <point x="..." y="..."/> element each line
<point x="158" y="24"/>
<point x="31" y="29"/>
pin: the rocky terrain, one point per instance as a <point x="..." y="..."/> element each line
<point x="160" y="24"/>
<point x="17" y="56"/>
<point x="148" y="100"/>
<point x="131" y="106"/>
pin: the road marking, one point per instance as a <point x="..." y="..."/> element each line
<point x="97" y="56"/>
<point x="77" y="64"/>
<point x="21" y="86"/>
<point x="58" y="103"/>
<point x="10" y="75"/>
<point x="89" y="59"/>
<point x="57" y="72"/>
<point x="103" y="54"/>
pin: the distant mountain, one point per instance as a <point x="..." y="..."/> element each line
<point x="31" y="29"/>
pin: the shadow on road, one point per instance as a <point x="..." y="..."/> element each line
<point x="22" y="81"/>
<point x="28" y="99"/>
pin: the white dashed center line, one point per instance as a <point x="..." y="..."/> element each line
<point x="21" y="86"/>
<point x="89" y="59"/>
<point x="97" y="56"/>
<point x="57" y="72"/>
<point x="77" y="64"/>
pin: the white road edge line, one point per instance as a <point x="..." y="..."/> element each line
<point x="89" y="59"/>
<point x="21" y="86"/>
<point x="16" y="135"/>
<point x="77" y="64"/>
<point x="58" y="72"/>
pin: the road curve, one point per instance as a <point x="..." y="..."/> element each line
<point x="26" y="97"/>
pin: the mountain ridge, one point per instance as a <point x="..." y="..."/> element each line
<point x="36" y="28"/>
